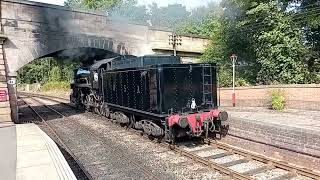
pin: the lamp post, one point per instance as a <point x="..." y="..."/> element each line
<point x="233" y="58"/>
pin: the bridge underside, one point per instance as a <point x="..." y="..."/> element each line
<point x="34" y="30"/>
<point x="85" y="55"/>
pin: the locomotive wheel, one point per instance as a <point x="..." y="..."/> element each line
<point x="87" y="104"/>
<point x="151" y="128"/>
<point x="97" y="110"/>
<point x="151" y="137"/>
<point x="120" y="117"/>
<point x="224" y="130"/>
<point x="218" y="131"/>
<point x="101" y="109"/>
<point x="106" y="111"/>
<point x="78" y="105"/>
<point x="172" y="135"/>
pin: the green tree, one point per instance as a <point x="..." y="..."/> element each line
<point x="129" y="11"/>
<point x="92" y="4"/>
<point x="270" y="44"/>
<point x="308" y="18"/>
<point x="48" y="69"/>
<point x="221" y="24"/>
<point x="35" y="72"/>
<point x="118" y="10"/>
<point x="203" y="21"/>
<point x="278" y="44"/>
<point x="173" y="16"/>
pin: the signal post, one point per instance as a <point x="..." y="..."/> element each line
<point x="175" y="40"/>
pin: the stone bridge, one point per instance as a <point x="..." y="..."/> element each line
<point x="31" y="30"/>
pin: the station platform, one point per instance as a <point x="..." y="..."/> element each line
<point x="302" y="119"/>
<point x="28" y="153"/>
<point x="295" y="133"/>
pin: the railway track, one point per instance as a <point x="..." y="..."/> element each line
<point x="147" y="173"/>
<point x="228" y="159"/>
<point x="71" y="158"/>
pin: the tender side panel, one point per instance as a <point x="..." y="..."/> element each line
<point x="138" y="90"/>
<point x="153" y="91"/>
<point x="130" y="89"/>
<point x="161" y="88"/>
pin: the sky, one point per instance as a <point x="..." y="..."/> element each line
<point x="188" y="3"/>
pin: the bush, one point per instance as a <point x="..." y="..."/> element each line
<point x="55" y="74"/>
<point x="278" y="100"/>
<point x="240" y="82"/>
<point x="225" y="78"/>
<point x="51" y="86"/>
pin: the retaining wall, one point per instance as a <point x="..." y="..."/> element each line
<point x="300" y="96"/>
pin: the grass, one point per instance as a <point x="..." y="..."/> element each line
<point x="52" y="86"/>
<point x="57" y="89"/>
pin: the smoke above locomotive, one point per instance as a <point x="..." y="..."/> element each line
<point x="156" y="94"/>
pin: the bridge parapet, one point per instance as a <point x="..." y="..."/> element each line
<point x="159" y="40"/>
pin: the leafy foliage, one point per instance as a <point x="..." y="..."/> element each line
<point x="129" y="11"/>
<point x="278" y="45"/>
<point x="277" y="41"/>
<point x="278" y="100"/>
<point x="35" y="72"/>
<point x="47" y="70"/>
<point x="92" y="4"/>
<point x="173" y="16"/>
<point x="272" y="46"/>
<point x="55" y="74"/>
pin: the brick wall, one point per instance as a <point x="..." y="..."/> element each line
<point x="303" y="96"/>
<point x="284" y="137"/>
<point x="5" y="110"/>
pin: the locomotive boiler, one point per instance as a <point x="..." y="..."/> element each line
<point x="156" y="94"/>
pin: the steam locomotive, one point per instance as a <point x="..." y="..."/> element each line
<point x="155" y="94"/>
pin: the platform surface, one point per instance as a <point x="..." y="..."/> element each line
<point x="8" y="151"/>
<point x="30" y="154"/>
<point x="302" y="119"/>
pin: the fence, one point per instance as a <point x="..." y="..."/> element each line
<point x="29" y="87"/>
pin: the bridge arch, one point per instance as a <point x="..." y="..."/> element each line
<point x="32" y="30"/>
<point x="44" y="47"/>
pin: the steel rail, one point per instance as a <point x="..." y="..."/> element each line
<point x="278" y="164"/>
<point x="145" y="171"/>
<point x="269" y="161"/>
<point x="40" y="95"/>
<point x="224" y="170"/>
<point x="212" y="165"/>
<point x="60" y="140"/>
